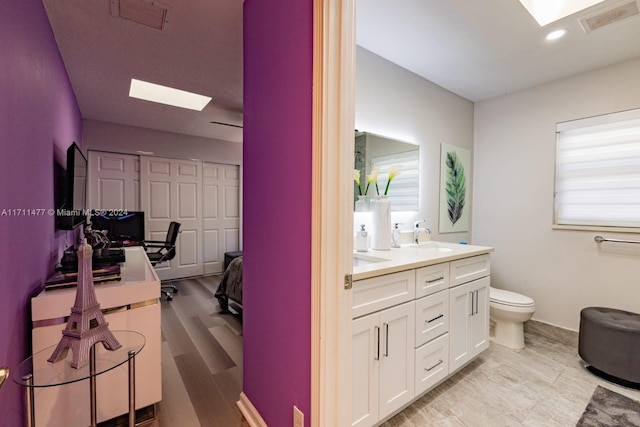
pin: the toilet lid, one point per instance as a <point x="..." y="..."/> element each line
<point x="501" y="296"/>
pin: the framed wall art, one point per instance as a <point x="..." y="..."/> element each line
<point x="455" y="175"/>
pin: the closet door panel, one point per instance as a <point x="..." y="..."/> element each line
<point x="221" y="212"/>
<point x="171" y="190"/>
<point x="114" y="181"/>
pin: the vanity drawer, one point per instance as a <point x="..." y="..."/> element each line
<point x="380" y="292"/>
<point x="432" y="317"/>
<point x="431" y="364"/>
<point x="468" y="269"/>
<point x="432" y="279"/>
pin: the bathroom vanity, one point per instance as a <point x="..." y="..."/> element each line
<point x="420" y="313"/>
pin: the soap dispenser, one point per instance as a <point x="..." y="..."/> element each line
<point x="395" y="235"/>
<point x="362" y="240"/>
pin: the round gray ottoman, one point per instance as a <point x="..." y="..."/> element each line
<point x="609" y="342"/>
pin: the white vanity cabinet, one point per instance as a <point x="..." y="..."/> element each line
<point x="383" y="353"/>
<point x="469" y="310"/>
<point x="414" y="328"/>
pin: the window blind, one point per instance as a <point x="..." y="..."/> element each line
<point x="404" y="187"/>
<point x="598" y="171"/>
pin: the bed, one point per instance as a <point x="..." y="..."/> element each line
<point x="229" y="292"/>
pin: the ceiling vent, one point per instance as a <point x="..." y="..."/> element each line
<point x="608" y="16"/>
<point x="147" y="13"/>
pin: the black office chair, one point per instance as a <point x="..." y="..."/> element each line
<point x="164" y="251"/>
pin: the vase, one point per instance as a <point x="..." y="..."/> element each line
<point x="381" y="239"/>
<point x="362" y="204"/>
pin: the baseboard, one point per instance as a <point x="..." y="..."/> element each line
<point x="250" y="412"/>
<point x="552" y="332"/>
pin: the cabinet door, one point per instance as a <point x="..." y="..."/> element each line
<point x="396" y="357"/>
<point x="479" y="327"/>
<point x="468" y="321"/>
<point x="366" y="337"/>
<point x="460" y="311"/>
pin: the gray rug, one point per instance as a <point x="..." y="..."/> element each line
<point x="610" y="409"/>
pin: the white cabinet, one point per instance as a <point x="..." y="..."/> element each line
<point x="469" y="321"/>
<point x="130" y="304"/>
<point x="413" y="329"/>
<point x="383" y="363"/>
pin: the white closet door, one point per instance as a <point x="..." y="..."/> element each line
<point x="114" y="181"/>
<point x="170" y="190"/>
<point x="221" y="214"/>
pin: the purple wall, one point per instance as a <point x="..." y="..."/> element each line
<point x="39" y="118"/>
<point x="278" y="68"/>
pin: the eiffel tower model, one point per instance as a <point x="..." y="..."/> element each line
<point x="86" y="326"/>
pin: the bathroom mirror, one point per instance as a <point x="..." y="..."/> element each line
<point x="371" y="151"/>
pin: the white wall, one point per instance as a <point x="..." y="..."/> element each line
<point x="514" y="139"/>
<point x="394" y="102"/>
<point x="104" y="136"/>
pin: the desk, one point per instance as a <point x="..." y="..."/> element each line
<point x="35" y="371"/>
<point x="130" y="304"/>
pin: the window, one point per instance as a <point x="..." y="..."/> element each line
<point x="598" y="171"/>
<point x="403" y="189"/>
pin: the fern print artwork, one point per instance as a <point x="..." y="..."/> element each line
<point x="456" y="187"/>
<point x="455" y="181"/>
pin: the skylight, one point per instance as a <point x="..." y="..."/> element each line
<point x="547" y="11"/>
<point x="167" y="95"/>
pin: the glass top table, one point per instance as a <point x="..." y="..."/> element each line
<point x="36" y="371"/>
<point x="47" y="374"/>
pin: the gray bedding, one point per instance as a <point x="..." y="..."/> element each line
<point x="230" y="287"/>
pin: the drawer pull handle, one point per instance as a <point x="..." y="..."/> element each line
<point x="386" y="334"/>
<point x="434" y="366"/>
<point x="435" y="280"/>
<point x="434" y="319"/>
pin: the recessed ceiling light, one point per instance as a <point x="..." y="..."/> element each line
<point x="167" y="95"/>
<point x="547" y="11"/>
<point x="556" y="34"/>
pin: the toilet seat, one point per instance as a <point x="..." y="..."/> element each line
<point x="512" y="299"/>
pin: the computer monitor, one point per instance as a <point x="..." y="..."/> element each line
<point x="127" y="229"/>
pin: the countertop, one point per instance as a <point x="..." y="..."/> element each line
<point x="410" y="256"/>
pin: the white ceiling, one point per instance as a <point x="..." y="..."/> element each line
<point x="477" y="49"/>
<point x="485" y="48"/>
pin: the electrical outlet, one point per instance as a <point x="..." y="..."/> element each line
<point x="298" y="417"/>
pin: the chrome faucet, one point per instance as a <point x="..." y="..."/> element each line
<point x="417" y="230"/>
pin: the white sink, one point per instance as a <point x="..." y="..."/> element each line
<point x="361" y="258"/>
<point x="439" y="246"/>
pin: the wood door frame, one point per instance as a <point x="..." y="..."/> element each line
<point x="332" y="218"/>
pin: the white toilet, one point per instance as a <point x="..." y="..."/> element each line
<point x="508" y="311"/>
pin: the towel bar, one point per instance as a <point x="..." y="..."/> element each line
<point x="600" y="239"/>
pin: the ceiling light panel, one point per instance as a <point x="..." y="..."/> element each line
<point x="167" y="95"/>
<point x="547" y="11"/>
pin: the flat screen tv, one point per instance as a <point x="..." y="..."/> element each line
<point x="73" y="212"/>
<point x="126" y="228"/>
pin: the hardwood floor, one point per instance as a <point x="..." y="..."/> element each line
<point x="201" y="359"/>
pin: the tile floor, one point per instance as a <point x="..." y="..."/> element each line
<point x="542" y="385"/>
